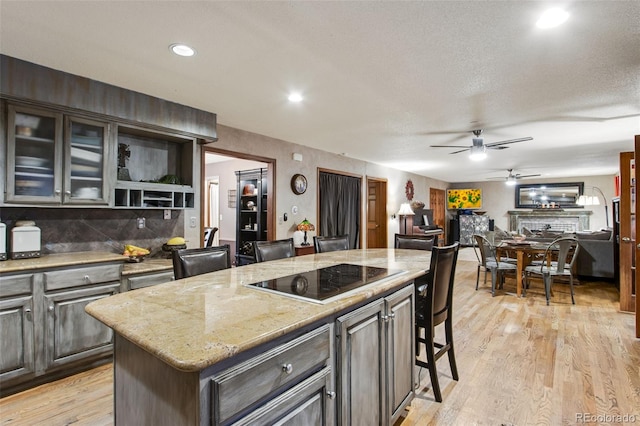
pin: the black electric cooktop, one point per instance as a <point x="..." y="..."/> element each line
<point x="325" y="283"/>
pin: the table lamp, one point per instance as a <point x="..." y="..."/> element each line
<point x="305" y="226"/>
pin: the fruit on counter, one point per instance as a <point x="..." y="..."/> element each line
<point x="131" y="250"/>
<point x="176" y="241"/>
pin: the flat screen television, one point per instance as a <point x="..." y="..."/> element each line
<point x="464" y="199"/>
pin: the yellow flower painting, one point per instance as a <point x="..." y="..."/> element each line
<point x="464" y="199"/>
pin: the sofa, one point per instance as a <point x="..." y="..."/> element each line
<point x="596" y="255"/>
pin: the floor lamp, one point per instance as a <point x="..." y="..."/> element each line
<point x="593" y="200"/>
<point x="405" y="210"/>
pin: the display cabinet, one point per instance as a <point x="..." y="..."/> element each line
<point x="251" y="219"/>
<point x="54" y="158"/>
<point x="471" y="224"/>
<point x="627" y="228"/>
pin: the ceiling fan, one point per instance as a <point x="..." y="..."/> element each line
<point x="478" y="149"/>
<point x="513" y="177"/>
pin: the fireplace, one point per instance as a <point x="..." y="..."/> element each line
<point x="554" y="220"/>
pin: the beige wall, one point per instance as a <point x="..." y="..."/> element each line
<point x="499" y="198"/>
<point x="240" y="141"/>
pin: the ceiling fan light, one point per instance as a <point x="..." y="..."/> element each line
<point x="477" y="153"/>
<point x="511" y="181"/>
<point x="552" y="18"/>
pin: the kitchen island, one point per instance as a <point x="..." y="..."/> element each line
<point x="211" y="350"/>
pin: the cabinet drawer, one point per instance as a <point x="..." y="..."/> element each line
<point x="149" y="280"/>
<point x="55" y="280"/>
<point x="16" y="285"/>
<point x="238" y="387"/>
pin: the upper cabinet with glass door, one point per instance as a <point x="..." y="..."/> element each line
<point x="46" y="165"/>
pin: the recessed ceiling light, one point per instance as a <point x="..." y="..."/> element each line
<point x="182" y="49"/>
<point x="552" y="18"/>
<point x="295" y="97"/>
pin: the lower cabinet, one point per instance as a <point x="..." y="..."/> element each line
<point x="17" y="331"/>
<point x="44" y="329"/>
<point x="375" y="350"/>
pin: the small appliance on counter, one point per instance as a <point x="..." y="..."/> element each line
<point x="25" y="240"/>
<point x="3" y="241"/>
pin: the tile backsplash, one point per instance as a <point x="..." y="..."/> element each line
<point x="70" y="230"/>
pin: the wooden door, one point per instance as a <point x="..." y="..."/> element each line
<point x="437" y="205"/>
<point x="637" y="247"/>
<point x="376" y="213"/>
<point x="628" y="252"/>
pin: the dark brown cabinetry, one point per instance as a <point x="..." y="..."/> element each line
<point x="251" y="219"/>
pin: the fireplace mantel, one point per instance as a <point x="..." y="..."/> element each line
<point x="557" y="220"/>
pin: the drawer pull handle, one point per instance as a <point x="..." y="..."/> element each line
<point x="86" y="278"/>
<point x="331" y="394"/>
<point x="287" y="368"/>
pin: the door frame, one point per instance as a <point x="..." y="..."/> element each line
<point x="271" y="173"/>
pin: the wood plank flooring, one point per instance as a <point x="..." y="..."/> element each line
<point x="520" y="362"/>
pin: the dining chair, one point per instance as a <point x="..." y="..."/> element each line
<point x="415" y="242"/>
<point x="486" y="253"/>
<point x="324" y="244"/>
<point x="434" y="307"/>
<point x="210" y="234"/>
<point x="190" y="262"/>
<point x="567" y="249"/>
<point x="272" y="250"/>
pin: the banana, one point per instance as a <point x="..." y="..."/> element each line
<point x="135" y="250"/>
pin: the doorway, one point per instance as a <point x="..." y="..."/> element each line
<point x="219" y="197"/>
<point x="376" y="213"/>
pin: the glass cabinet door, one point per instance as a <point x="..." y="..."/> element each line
<point x="85" y="161"/>
<point x="34" y="155"/>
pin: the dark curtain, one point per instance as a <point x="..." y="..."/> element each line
<point x="340" y="206"/>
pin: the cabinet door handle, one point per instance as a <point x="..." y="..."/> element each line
<point x="57" y="191"/>
<point x="27" y="313"/>
<point x="51" y="308"/>
<point x="392" y="315"/>
<point x="287" y="368"/>
<point x="385" y="318"/>
<point x="331" y="394"/>
<point x="67" y="193"/>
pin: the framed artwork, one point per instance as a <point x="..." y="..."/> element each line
<point x="464" y="199"/>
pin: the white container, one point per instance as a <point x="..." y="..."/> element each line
<point x="3" y="241"/>
<point x="25" y="242"/>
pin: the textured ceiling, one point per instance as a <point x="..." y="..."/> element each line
<point x="382" y="80"/>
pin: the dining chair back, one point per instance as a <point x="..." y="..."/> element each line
<point x="210" y="234"/>
<point x="434" y="307"/>
<point x="486" y="253"/>
<point x="567" y="249"/>
<point x="272" y="250"/>
<point x="415" y="242"/>
<point x="190" y="262"/>
<point x="324" y="244"/>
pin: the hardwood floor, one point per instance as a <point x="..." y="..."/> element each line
<point x="520" y="362"/>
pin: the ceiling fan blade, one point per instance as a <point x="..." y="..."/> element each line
<point x="449" y="146"/>
<point x="462" y="150"/>
<point x="496" y="147"/>
<point x="524" y="176"/>
<point x="492" y="144"/>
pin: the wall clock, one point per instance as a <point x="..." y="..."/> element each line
<point x="408" y="190"/>
<point x="298" y="184"/>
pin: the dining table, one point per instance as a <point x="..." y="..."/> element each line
<point x="524" y="251"/>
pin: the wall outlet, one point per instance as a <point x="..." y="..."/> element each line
<point x="167" y="214"/>
<point x="141" y="221"/>
<point x="192" y="222"/>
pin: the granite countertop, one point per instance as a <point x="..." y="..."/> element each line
<point x="59" y="259"/>
<point x="196" y="322"/>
